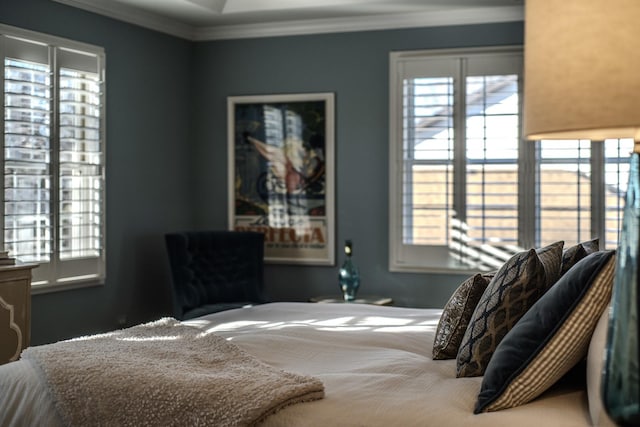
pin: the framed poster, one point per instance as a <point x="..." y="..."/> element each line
<point x="281" y="174"/>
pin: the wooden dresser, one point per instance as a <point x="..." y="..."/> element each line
<point x="15" y="310"/>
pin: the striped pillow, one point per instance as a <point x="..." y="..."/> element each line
<point x="595" y="358"/>
<point x="551" y="338"/>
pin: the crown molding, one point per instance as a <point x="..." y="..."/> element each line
<point x="132" y="15"/>
<point x="166" y="25"/>
<point x="363" y="23"/>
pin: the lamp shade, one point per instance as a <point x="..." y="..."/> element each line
<point x="582" y="69"/>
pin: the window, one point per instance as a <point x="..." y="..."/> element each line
<point x="53" y="157"/>
<point x="466" y="192"/>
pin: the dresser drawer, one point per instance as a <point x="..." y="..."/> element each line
<point x="15" y="310"/>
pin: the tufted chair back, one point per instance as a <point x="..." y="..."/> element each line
<point x="215" y="270"/>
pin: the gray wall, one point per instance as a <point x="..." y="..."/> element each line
<point x="167" y="157"/>
<point x="355" y="67"/>
<point x="148" y="171"/>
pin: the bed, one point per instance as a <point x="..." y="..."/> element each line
<point x="519" y="346"/>
<point x="375" y="364"/>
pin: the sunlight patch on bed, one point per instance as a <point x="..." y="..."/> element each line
<point x="410" y="326"/>
<point x="344" y="328"/>
<point x="97" y="336"/>
<point x="197" y="323"/>
<point x="336" y="324"/>
<point x="285" y="325"/>
<point x="430" y="322"/>
<point x="383" y="321"/>
<point x="338" y="321"/>
<point x="403" y="329"/>
<point x="156" y="338"/>
<point x="232" y="326"/>
<point x="272" y="325"/>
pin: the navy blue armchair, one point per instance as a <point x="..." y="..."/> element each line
<point x="213" y="271"/>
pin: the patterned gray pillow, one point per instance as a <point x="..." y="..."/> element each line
<point x="456" y="316"/>
<point x="551" y="258"/>
<point x="514" y="289"/>
<point x="572" y="255"/>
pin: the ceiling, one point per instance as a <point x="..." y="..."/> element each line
<point x="224" y="19"/>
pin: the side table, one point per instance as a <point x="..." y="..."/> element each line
<point x="364" y="299"/>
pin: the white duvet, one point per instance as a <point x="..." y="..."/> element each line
<point x="375" y="363"/>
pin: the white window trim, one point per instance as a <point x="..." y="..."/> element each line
<point x="47" y="277"/>
<point x="407" y="258"/>
<point x="411" y="258"/>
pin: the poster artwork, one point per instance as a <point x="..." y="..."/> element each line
<point x="280" y="182"/>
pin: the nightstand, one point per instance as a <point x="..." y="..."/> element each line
<point x="15" y="310"/>
<point x="364" y="299"/>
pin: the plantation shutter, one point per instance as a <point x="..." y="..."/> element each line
<point x="428" y="144"/>
<point x="53" y="128"/>
<point x="423" y="163"/>
<point x="616" y="179"/>
<point x="466" y="191"/>
<point x="27" y="150"/>
<point x="80" y="163"/>
<point x="489" y="215"/>
<point x="563" y="183"/>
<point x="459" y="127"/>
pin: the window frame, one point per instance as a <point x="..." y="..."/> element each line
<point x="409" y="258"/>
<point x="433" y="258"/>
<point x="75" y="272"/>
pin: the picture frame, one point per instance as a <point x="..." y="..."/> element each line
<point x="282" y="174"/>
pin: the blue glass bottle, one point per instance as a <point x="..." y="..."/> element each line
<point x="621" y="380"/>
<point x="349" y="277"/>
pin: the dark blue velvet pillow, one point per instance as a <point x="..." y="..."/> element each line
<point x="550" y="338"/>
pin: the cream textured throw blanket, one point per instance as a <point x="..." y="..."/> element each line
<point x="164" y="373"/>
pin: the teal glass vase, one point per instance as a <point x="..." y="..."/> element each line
<point x="621" y="380"/>
<point x="349" y="275"/>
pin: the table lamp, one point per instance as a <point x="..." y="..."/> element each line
<point x="582" y="81"/>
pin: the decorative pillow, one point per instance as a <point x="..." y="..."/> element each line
<point x="575" y="253"/>
<point x="551" y="338"/>
<point x="551" y="258"/>
<point x="595" y="360"/>
<point x="591" y="246"/>
<point x="490" y="275"/>
<point x="456" y="315"/>
<point x="514" y="288"/>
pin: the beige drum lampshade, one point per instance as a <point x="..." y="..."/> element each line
<point x="582" y="69"/>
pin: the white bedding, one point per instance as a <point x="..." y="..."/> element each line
<point x="375" y="363"/>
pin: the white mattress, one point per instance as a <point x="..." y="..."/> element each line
<point x="375" y="363"/>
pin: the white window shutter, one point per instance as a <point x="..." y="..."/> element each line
<point x="54" y="146"/>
